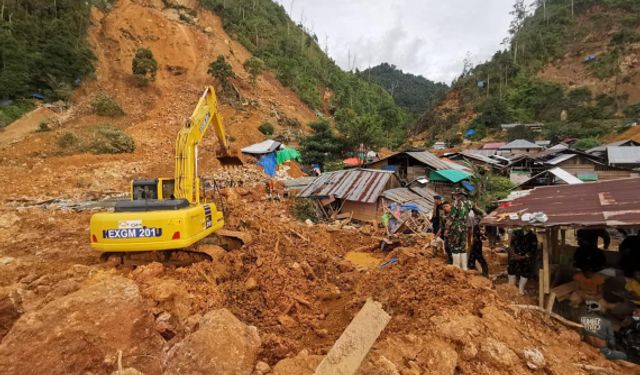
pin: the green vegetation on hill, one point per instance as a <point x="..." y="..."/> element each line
<point x="43" y="47"/>
<point x="294" y="55"/>
<point x="415" y="94"/>
<point x="506" y="89"/>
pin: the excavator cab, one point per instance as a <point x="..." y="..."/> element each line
<point x="157" y="188"/>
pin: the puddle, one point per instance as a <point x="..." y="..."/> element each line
<point x="362" y="260"/>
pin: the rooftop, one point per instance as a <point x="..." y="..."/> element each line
<point x="612" y="203"/>
<point x="623" y="154"/>
<point x="520" y="144"/>
<point x="359" y="185"/>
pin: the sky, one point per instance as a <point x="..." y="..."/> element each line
<point x="424" y="37"/>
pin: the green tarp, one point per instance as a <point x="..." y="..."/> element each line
<point x="287" y="154"/>
<point x="448" y="175"/>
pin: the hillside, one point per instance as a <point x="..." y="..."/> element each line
<point x="576" y="71"/>
<point x="415" y="94"/>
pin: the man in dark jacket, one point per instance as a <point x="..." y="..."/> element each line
<point x="629" y="336"/>
<point x="522" y="251"/>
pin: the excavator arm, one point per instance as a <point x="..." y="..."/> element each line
<point x="187" y="183"/>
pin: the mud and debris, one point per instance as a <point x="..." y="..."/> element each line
<point x="273" y="306"/>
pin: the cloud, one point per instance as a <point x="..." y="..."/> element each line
<point x="427" y="37"/>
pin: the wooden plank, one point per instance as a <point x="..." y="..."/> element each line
<point x="540" y="289"/>
<point x="352" y="346"/>
<point x="551" y="302"/>
<point x="546" y="249"/>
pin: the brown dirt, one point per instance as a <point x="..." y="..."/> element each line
<point x="292" y="283"/>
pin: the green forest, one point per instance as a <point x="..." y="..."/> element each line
<point x="415" y="94"/>
<point x="364" y="112"/>
<point x="505" y="89"/>
<point x="43" y="49"/>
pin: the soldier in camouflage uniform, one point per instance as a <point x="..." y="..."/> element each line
<point x="456" y="231"/>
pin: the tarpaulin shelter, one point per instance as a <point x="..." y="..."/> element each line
<point x="287" y="154"/>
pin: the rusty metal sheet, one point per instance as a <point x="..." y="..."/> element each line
<point x="358" y="185"/>
<point x="598" y="204"/>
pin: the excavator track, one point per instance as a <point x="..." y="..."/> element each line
<point x="225" y="239"/>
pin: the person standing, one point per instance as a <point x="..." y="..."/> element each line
<point x="437" y="213"/>
<point x="522" y="249"/>
<point x="476" y="250"/>
<point x="442" y="232"/>
<point x="456" y="232"/>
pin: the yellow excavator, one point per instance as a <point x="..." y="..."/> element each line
<point x="168" y="216"/>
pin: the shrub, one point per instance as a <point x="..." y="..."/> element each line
<point x="43" y="127"/>
<point x="107" y="139"/>
<point x="266" y="128"/>
<point x="304" y="209"/>
<point x="104" y="105"/>
<point x="144" y="66"/>
<point x="221" y="71"/>
<point x="68" y="140"/>
<point x="632" y="110"/>
<point x="14" y="111"/>
<point x="586" y="143"/>
<point x="254" y="66"/>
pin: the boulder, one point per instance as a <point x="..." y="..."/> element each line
<point x="10" y="311"/>
<point x="221" y="345"/>
<point x="534" y="358"/>
<point x="301" y="364"/>
<point x="82" y="332"/>
<point x="497" y="353"/>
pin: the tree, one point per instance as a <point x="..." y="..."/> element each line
<point x="222" y="72"/>
<point x="494" y="112"/>
<point x="322" y="145"/>
<point x="584" y="144"/>
<point x="144" y="66"/>
<point x="519" y="132"/>
<point x="254" y="66"/>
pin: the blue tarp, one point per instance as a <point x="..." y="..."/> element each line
<point x="469" y="133"/>
<point x="390" y="168"/>
<point x="469" y="186"/>
<point x="268" y="163"/>
<point x="38" y="96"/>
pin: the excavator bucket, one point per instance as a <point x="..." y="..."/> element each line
<point x="229" y="160"/>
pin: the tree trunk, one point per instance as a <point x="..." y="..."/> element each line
<point x="572" y="13"/>
<point x="2" y="12"/>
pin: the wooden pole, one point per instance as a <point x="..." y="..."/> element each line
<point x="546" y="250"/>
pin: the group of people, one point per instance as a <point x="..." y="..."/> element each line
<point x="456" y="226"/>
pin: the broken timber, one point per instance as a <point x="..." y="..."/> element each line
<point x="352" y="346"/>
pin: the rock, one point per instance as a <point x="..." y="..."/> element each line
<point x="147" y="272"/>
<point x="82" y="332"/>
<point x="287" y="321"/>
<point x="309" y="222"/>
<point x="188" y="4"/>
<point x="8" y="220"/>
<point x="7" y="260"/>
<point x="221" y="345"/>
<point x="250" y="284"/>
<point x="127" y="371"/>
<point x="534" y="358"/>
<point x="262" y="368"/>
<point x="386" y="366"/>
<point x="208" y="29"/>
<point x="172" y="296"/>
<point x="10" y="311"/>
<point x="470" y="351"/>
<point x="460" y="329"/>
<point x="480" y="282"/>
<point x="497" y="353"/>
<point x="301" y="364"/>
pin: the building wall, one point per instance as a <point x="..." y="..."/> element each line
<point x="582" y="164"/>
<point x="361" y="211"/>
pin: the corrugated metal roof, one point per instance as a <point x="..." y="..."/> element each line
<point x="264" y="147"/>
<point x="472" y="154"/>
<point x="612" y="203"/>
<point x="421" y="196"/>
<point x="623" y="154"/>
<point x="519" y="144"/>
<point x="603" y="148"/>
<point x="552" y="151"/>
<point x="493" y="146"/>
<point x="560" y="158"/>
<point x="560" y="173"/>
<point x="358" y="185"/>
<point x="429" y="159"/>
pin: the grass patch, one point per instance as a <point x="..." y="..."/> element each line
<point x="266" y="128"/>
<point x="103" y="139"/>
<point x="107" y="139"/>
<point x="43" y="127"/>
<point x="304" y="209"/>
<point x="105" y="105"/>
<point x="12" y="112"/>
